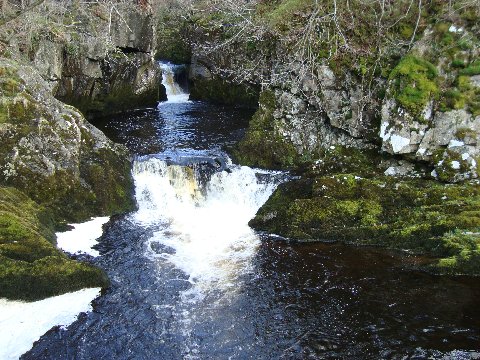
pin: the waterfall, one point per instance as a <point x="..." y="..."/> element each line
<point x="204" y="222"/>
<point x="175" y="94"/>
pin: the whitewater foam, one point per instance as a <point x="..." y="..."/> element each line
<point x="209" y="232"/>
<point x="175" y="94"/>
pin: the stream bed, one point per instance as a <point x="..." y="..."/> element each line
<point x="191" y="280"/>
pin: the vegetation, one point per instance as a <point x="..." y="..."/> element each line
<point x="219" y="91"/>
<point x="262" y="146"/>
<point x="414" y="81"/>
<point x="31" y="267"/>
<point x="36" y="199"/>
<point x="416" y="215"/>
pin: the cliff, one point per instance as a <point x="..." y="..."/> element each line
<point x="95" y="56"/>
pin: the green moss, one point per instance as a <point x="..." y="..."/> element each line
<point x="414" y="215"/>
<point x="171" y="44"/>
<point x="282" y="16"/>
<point x="457" y="64"/>
<point x="464" y="133"/>
<point x="48" y="276"/>
<point x="262" y="146"/>
<point x="414" y="83"/>
<point x="472" y="69"/>
<point x="31" y="267"/>
<point x="342" y="159"/>
<point x="220" y="91"/>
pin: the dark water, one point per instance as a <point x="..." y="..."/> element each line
<point x="299" y="301"/>
<point x="185" y="126"/>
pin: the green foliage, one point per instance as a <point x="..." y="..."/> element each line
<point x="457" y="63"/>
<point x="283" y="15"/>
<point x="472" y="69"/>
<point x="414" y="81"/>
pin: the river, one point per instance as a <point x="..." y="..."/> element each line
<point x="191" y="280"/>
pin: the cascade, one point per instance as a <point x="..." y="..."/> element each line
<point x="175" y="93"/>
<point x="204" y="215"/>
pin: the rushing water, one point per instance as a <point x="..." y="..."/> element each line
<point x="191" y="280"/>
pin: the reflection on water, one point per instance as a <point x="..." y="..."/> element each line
<point x="172" y="126"/>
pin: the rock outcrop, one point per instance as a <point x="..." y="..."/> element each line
<point x="105" y="63"/>
<point x="54" y="155"/>
<point x="54" y="167"/>
<point x="414" y="102"/>
<point x="374" y="113"/>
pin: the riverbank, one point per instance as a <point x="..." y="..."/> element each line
<point x="388" y="100"/>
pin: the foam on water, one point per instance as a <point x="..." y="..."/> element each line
<point x="205" y="226"/>
<point x="82" y="237"/>
<point x="22" y="323"/>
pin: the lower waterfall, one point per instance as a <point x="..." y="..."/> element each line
<point x="204" y="221"/>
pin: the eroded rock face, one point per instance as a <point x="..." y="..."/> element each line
<point x="447" y="140"/>
<point x="54" y="155"/>
<point x="410" y="105"/>
<point x="104" y="67"/>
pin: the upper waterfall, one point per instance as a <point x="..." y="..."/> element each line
<point x="175" y="93"/>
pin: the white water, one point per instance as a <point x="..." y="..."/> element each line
<point x="82" y="237"/>
<point x="208" y="230"/>
<point x="22" y="323"/>
<point x="175" y="94"/>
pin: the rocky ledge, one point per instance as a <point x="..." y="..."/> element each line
<point x="54" y="167"/>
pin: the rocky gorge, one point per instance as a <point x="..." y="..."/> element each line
<point x="55" y="166"/>
<point x="382" y="134"/>
<point x="374" y="105"/>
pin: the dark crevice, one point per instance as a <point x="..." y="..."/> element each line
<point x="130" y="50"/>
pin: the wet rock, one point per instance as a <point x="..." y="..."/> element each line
<point x="415" y="215"/>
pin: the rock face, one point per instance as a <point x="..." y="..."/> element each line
<point x="54" y="155"/>
<point x="54" y="167"/>
<point x="414" y="102"/>
<point x="374" y="118"/>
<point x="104" y="66"/>
<point x="204" y="85"/>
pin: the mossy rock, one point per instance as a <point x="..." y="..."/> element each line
<point x="220" y="91"/>
<point x="262" y="146"/>
<point x="414" y="215"/>
<point x="31" y="267"/>
<point x="52" y="154"/>
<point x="343" y="159"/>
<point x="48" y="276"/>
<point x="414" y="83"/>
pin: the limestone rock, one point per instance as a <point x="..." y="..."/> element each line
<point x="53" y="154"/>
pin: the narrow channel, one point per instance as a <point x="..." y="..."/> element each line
<point x="191" y="280"/>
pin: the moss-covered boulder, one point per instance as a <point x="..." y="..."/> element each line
<point x="51" y="153"/>
<point x="262" y="145"/>
<point x="424" y="217"/>
<point x="31" y="267"/>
